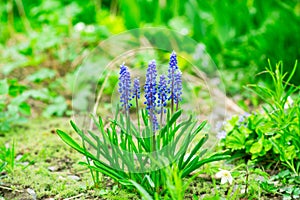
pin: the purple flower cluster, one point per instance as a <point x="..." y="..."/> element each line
<point x="136" y="89"/>
<point x="125" y="87"/>
<point x="150" y="92"/>
<point x="177" y="87"/>
<point x="157" y="95"/>
<point x="174" y="81"/>
<point x="162" y="94"/>
<point x="150" y="86"/>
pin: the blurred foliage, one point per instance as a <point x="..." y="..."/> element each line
<point x="57" y="35"/>
<point x="16" y="100"/>
<point x="239" y="35"/>
<point x="13" y="106"/>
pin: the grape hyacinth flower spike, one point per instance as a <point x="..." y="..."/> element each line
<point x="125" y="88"/>
<point x="136" y="95"/>
<point x="150" y="93"/>
<point x="162" y="96"/>
<point x="177" y="88"/>
<point x="173" y="67"/>
<point x="136" y="89"/>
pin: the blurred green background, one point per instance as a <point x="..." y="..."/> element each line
<point x="239" y="35"/>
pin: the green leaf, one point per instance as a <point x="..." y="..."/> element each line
<point x="229" y="126"/>
<point x="41" y="75"/>
<point x="24" y="108"/>
<point x="256" y="147"/>
<point x="150" y="181"/>
<point x="236" y="140"/>
<point x="15" y="88"/>
<point x="69" y="141"/>
<point x="145" y="195"/>
<point x="100" y="167"/>
<point x="214" y="157"/>
<point x="4" y="87"/>
<point x="290" y="152"/>
<point x="116" y="173"/>
<point x="246" y="131"/>
<point x="82" y="135"/>
<point x="199" y="128"/>
<point x="267" y="145"/>
<point x="42" y="94"/>
<point x="195" y="149"/>
<point x="2" y="166"/>
<point x="58" y="107"/>
<point x="170" y="122"/>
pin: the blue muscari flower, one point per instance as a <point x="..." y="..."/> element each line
<point x="221" y="135"/>
<point x="173" y="67"/>
<point x="125" y="87"/>
<point x="150" y="92"/>
<point x="136" y="89"/>
<point x="154" y="122"/>
<point x="178" y="87"/>
<point x="173" y="63"/>
<point x="162" y="94"/>
<point x="174" y="82"/>
<point x="150" y="86"/>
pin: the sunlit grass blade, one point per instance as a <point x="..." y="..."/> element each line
<point x="104" y="170"/>
<point x="69" y="141"/>
<point x="215" y="157"/>
<point x="145" y="195"/>
<point x="193" y="152"/>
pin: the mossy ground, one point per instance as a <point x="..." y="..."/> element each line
<point x="49" y="167"/>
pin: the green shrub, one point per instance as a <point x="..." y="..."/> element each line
<point x="272" y="135"/>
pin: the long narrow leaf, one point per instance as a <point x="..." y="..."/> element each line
<point x="141" y="190"/>
<point x="69" y="141"/>
<point x="195" y="149"/>
<point x="82" y="135"/>
<point x="215" y="157"/>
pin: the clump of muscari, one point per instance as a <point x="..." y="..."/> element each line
<point x="157" y="96"/>
<point x="138" y="157"/>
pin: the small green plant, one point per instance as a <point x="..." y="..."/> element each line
<point x="137" y="155"/>
<point x="7" y="158"/>
<point x="271" y="136"/>
<point x="285" y="183"/>
<point x="13" y="106"/>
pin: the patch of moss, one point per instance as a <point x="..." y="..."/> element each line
<point x="54" y="170"/>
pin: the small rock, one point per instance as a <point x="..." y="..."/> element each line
<point x="74" y="177"/>
<point x="24" y="164"/>
<point x="19" y="156"/>
<point x="32" y="193"/>
<point x="52" y="168"/>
